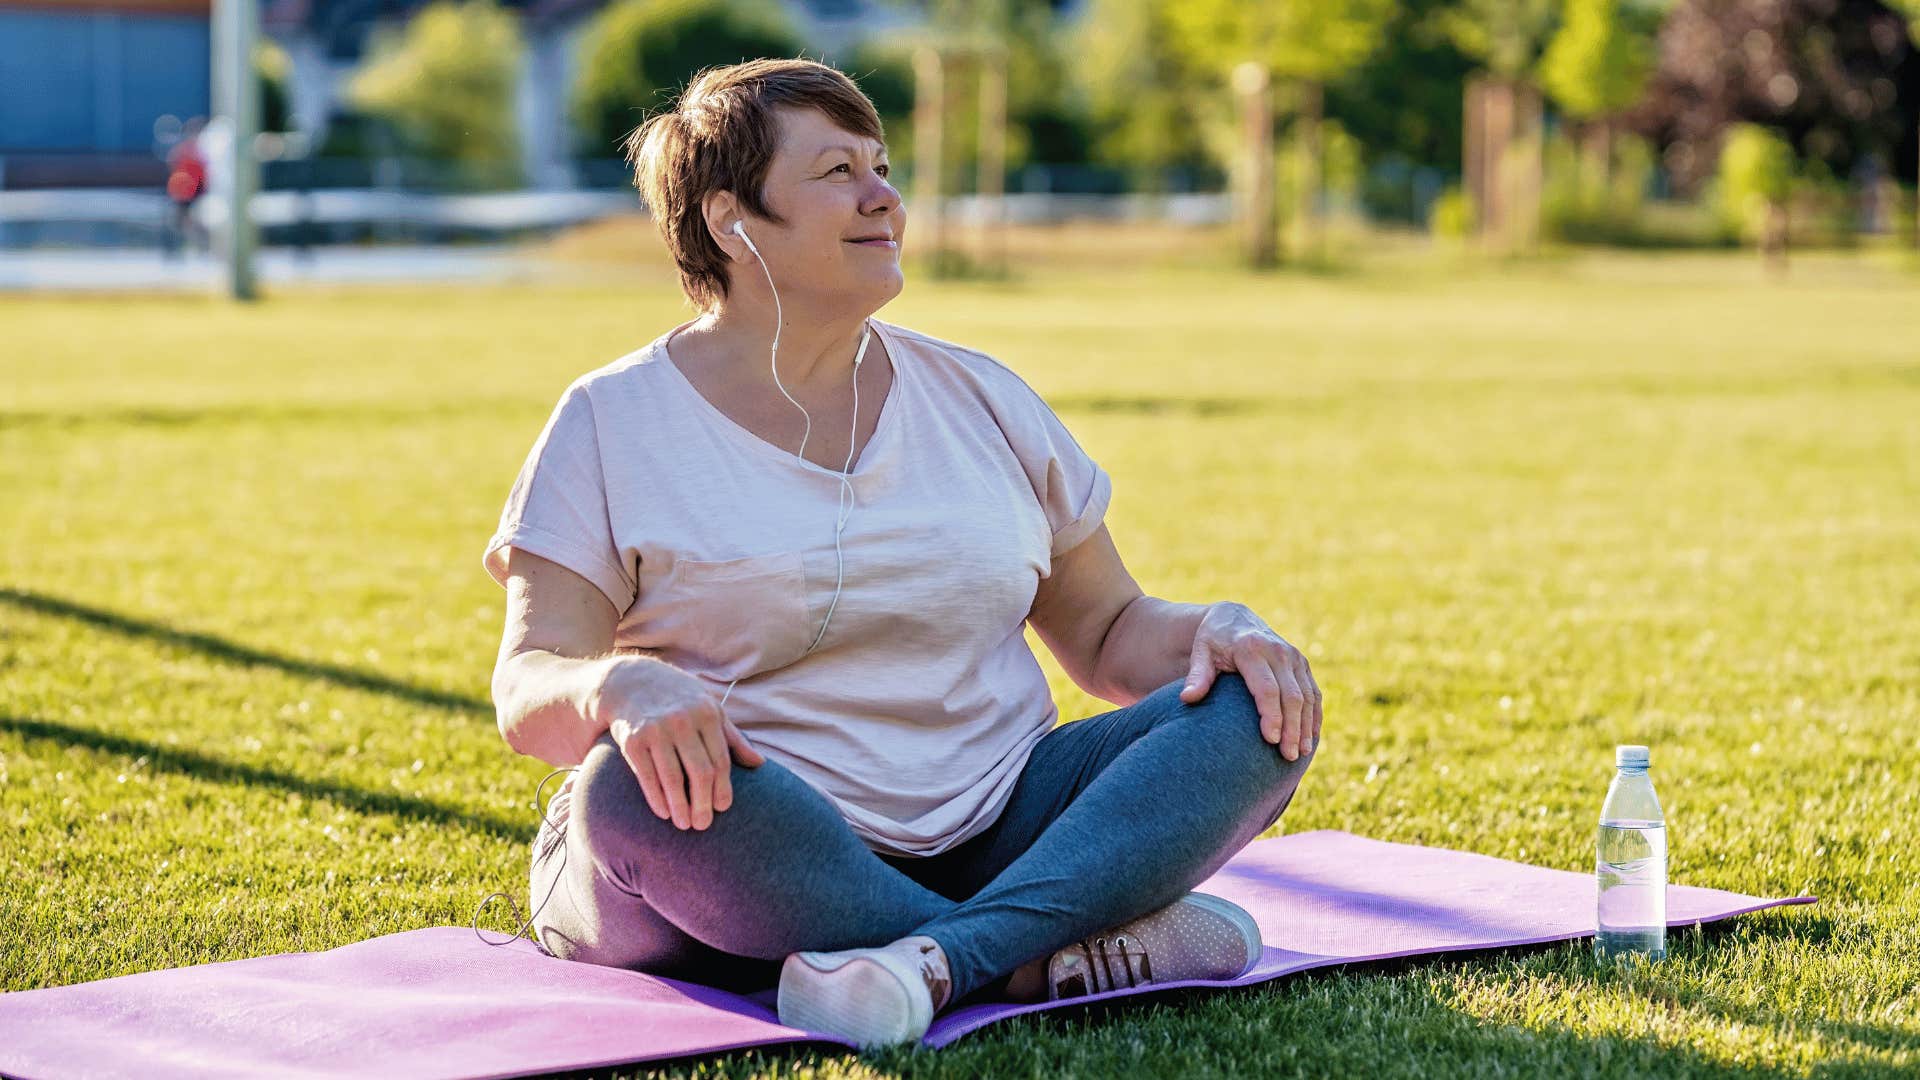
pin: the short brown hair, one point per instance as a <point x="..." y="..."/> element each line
<point x="720" y="135"/>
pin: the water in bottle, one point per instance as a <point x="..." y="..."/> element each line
<point x="1632" y="866"/>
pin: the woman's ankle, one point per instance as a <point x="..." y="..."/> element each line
<point x="1028" y="982"/>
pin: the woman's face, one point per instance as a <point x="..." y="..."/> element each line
<point x="840" y="246"/>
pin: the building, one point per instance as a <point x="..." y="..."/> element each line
<point x="90" y="89"/>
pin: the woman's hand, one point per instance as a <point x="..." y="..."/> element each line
<point x="675" y="736"/>
<point x="1232" y="638"/>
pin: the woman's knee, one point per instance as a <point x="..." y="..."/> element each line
<point x="609" y="801"/>
<point x="1233" y="702"/>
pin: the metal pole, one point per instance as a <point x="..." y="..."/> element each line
<point x="236" y="26"/>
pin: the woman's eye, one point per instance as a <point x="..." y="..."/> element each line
<point x="837" y="168"/>
<point x="881" y="169"/>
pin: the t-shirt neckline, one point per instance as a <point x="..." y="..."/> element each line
<point x="882" y="427"/>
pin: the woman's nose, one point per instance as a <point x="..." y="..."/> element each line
<point x="881" y="196"/>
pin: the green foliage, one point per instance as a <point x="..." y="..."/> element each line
<point x="1911" y="9"/>
<point x="1504" y="35"/>
<point x="637" y="53"/>
<point x="1756" y="174"/>
<point x="1452" y="216"/>
<point x="1585" y="203"/>
<point x="445" y="84"/>
<point x="1598" y="63"/>
<point x="1149" y="106"/>
<point x="1404" y="102"/>
<point x="1315" y="40"/>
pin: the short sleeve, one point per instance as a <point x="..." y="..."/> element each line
<point x="557" y="508"/>
<point x="1072" y="488"/>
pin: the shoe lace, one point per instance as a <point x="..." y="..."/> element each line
<point x="1100" y="961"/>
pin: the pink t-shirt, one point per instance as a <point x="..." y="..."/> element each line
<point x="916" y="712"/>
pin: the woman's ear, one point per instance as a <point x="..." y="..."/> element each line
<point x="720" y="210"/>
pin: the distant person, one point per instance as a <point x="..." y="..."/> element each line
<point x="186" y="183"/>
<point x="788" y="535"/>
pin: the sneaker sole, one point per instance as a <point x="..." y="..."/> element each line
<point x="863" y="999"/>
<point x="1233" y="914"/>
<point x="1237" y="915"/>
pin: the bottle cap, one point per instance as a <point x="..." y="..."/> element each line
<point x="1630" y="757"/>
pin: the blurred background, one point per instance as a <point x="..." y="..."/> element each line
<point x="1302" y="131"/>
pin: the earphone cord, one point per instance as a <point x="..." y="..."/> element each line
<point x="843" y="510"/>
<point x="559" y="837"/>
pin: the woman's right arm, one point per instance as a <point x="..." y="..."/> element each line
<point x="557" y="688"/>
<point x="554" y="653"/>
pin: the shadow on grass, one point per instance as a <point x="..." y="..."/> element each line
<point x="186" y="416"/>
<point x="191" y="763"/>
<point x="1151" y="406"/>
<point x="242" y="654"/>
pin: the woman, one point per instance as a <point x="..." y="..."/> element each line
<point x="790" y="537"/>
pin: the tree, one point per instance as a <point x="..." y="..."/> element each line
<point x="1756" y="169"/>
<point x="1595" y="68"/>
<point x="637" y="53"/>
<point x="1501" y="160"/>
<point x="1304" y="42"/>
<point x="1838" y="78"/>
<point x="445" y="83"/>
<point x="1405" y="100"/>
<point x="1149" y="107"/>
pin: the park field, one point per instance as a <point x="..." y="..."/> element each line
<point x="1514" y="514"/>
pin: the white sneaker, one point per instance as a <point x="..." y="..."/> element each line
<point x="1198" y="936"/>
<point x="875" y="997"/>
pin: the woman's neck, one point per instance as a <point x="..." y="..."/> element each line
<point x="812" y="350"/>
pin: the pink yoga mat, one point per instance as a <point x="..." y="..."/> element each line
<point x="439" y="1003"/>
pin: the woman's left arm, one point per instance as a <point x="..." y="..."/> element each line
<point x="1119" y="644"/>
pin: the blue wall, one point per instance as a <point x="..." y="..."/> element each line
<point x="96" y="81"/>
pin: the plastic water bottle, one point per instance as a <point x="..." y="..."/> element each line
<point x="1632" y="866"/>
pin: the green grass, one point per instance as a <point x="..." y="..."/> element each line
<point x="1514" y="516"/>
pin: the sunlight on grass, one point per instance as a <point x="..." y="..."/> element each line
<point x="1514" y="515"/>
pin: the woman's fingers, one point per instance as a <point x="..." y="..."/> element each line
<point x="715" y="744"/>
<point x="700" y="771"/>
<point x="673" y="781"/>
<point x="641" y="762"/>
<point x="1310" y="730"/>
<point x="1293" y="709"/>
<point x="1265" y="688"/>
<point x="749" y="755"/>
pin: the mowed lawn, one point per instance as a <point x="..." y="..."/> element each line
<point x="1514" y="516"/>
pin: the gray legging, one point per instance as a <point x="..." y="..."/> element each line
<point x="1114" y="816"/>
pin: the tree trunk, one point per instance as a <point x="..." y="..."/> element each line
<point x="1253" y="84"/>
<point x="1496" y="220"/>
<point x="1473" y="155"/>
<point x="1773" y="236"/>
<point x="992" y="181"/>
<point x="1529" y="131"/>
<point x="929" y="118"/>
<point x="1309" y="179"/>
<point x="1598" y="147"/>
